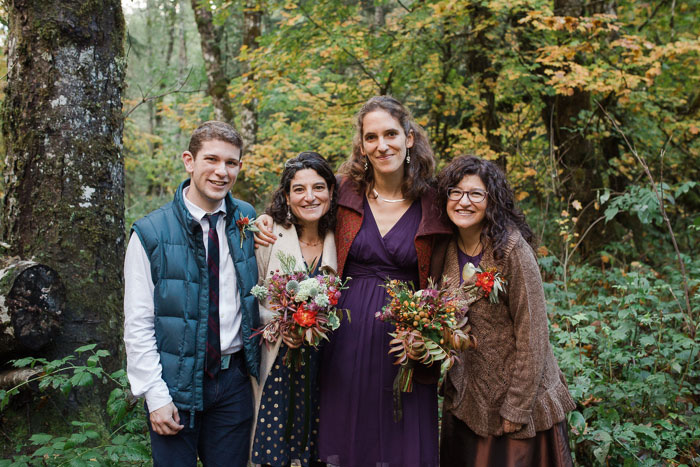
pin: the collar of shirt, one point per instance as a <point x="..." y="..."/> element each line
<point x="199" y="213"/>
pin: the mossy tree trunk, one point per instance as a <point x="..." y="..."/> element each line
<point x="62" y="124"/>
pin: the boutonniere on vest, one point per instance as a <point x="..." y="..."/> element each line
<point x="246" y="224"/>
<point x="490" y="281"/>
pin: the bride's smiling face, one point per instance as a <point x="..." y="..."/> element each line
<point x="384" y="141"/>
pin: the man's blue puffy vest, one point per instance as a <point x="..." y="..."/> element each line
<point x="173" y="242"/>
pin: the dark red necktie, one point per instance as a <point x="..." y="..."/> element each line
<point x="213" y="363"/>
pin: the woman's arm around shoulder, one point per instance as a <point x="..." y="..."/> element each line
<point x="262" y="256"/>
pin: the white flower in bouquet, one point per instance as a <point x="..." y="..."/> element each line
<point x="308" y="288"/>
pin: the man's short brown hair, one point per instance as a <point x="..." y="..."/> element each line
<point x="214" y="131"/>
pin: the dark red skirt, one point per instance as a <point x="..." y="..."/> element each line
<point x="461" y="447"/>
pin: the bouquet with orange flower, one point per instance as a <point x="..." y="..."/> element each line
<point x="305" y="306"/>
<point x="431" y="327"/>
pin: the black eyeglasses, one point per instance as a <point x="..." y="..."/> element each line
<point x="475" y="196"/>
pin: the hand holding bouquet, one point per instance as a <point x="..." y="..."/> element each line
<point x="430" y="328"/>
<point x="305" y="307"/>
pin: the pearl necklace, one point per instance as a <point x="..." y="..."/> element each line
<point x="374" y="191"/>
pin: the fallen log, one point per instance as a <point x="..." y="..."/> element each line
<point x="17" y="376"/>
<point x="32" y="300"/>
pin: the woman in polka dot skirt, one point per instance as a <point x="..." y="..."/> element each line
<point x="287" y="400"/>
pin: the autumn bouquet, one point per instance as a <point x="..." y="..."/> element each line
<point x="430" y="328"/>
<point x="305" y="306"/>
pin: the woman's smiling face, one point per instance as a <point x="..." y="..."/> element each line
<point x="465" y="213"/>
<point x="384" y="141"/>
<point x="309" y="197"/>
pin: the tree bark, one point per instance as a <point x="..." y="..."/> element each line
<point x="64" y="178"/>
<point x="252" y="15"/>
<point x="217" y="81"/>
<point x="479" y="64"/>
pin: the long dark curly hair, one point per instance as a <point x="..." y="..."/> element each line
<point x="279" y="208"/>
<point x="418" y="175"/>
<point x="501" y="213"/>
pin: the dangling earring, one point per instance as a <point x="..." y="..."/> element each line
<point x="289" y="214"/>
<point x="366" y="165"/>
<point x="408" y="156"/>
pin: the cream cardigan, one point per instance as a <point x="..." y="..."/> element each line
<point x="287" y="241"/>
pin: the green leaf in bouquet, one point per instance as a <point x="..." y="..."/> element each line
<point x="288" y="262"/>
<point x="333" y="320"/>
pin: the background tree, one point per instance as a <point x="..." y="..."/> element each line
<point x="64" y="176"/>
<point x="217" y="78"/>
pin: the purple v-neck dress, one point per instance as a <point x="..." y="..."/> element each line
<point x="357" y="428"/>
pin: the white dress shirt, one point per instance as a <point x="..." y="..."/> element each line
<point x="143" y="366"/>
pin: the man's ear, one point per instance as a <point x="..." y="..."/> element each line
<point x="188" y="160"/>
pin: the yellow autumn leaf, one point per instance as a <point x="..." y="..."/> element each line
<point x="522" y="195"/>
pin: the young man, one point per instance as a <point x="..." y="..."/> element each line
<point x="189" y="314"/>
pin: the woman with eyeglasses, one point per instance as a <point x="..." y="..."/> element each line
<point x="388" y="224"/>
<point x="303" y="210"/>
<point x="505" y="400"/>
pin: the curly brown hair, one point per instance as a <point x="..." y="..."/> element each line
<point x="418" y="175"/>
<point x="501" y="213"/>
<point x="278" y="208"/>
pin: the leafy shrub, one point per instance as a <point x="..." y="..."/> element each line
<point x="126" y="442"/>
<point x="623" y="340"/>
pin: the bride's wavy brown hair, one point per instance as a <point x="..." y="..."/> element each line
<point x="418" y="175"/>
<point x="502" y="215"/>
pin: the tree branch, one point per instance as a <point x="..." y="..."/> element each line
<point x="660" y="200"/>
<point x="350" y="54"/>
<point x="175" y="90"/>
<point x="653" y="13"/>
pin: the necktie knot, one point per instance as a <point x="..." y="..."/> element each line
<point x="213" y="219"/>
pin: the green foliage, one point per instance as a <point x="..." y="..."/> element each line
<point x="125" y="442"/>
<point x="481" y="77"/>
<point x="622" y="338"/>
<point x="642" y="201"/>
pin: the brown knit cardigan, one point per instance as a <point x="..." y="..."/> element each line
<point x="512" y="372"/>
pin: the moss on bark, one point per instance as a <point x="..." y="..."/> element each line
<point x="64" y="178"/>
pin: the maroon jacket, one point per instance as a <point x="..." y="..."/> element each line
<point x="432" y="228"/>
